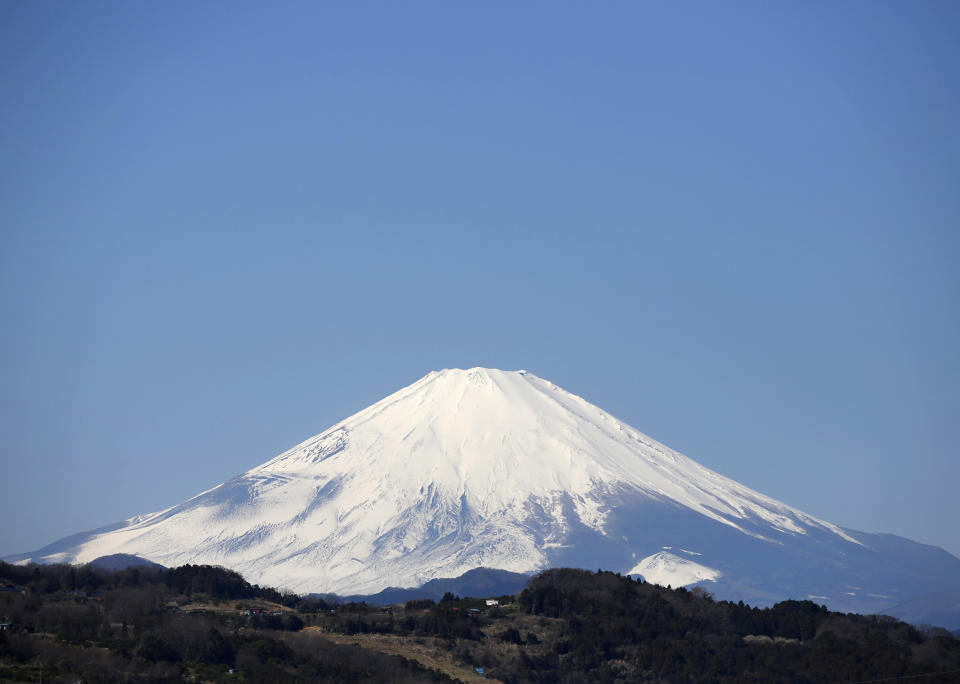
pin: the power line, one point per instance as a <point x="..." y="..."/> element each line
<point x="894" y="679"/>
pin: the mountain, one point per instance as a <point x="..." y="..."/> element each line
<point x="939" y="610"/>
<point x="475" y="468"/>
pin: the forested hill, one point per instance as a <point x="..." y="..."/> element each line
<point x="617" y="628"/>
<point x="207" y="623"/>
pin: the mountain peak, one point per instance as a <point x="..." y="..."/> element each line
<point x="477" y="375"/>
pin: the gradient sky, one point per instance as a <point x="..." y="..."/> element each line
<point x="225" y="226"/>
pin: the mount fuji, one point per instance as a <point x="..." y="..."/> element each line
<point x="475" y="468"/>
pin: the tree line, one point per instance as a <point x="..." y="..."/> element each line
<point x="566" y="626"/>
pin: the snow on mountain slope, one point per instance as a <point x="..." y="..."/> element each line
<point x="668" y="569"/>
<point x="465" y="469"/>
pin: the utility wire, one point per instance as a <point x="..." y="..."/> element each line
<point x="902" y="677"/>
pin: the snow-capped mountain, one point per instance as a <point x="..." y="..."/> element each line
<point x="487" y="468"/>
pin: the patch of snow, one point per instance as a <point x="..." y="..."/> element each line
<point x="668" y="569"/>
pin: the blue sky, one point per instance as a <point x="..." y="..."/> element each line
<point x="226" y="226"/>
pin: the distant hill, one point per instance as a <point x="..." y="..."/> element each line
<point x="122" y="561"/>
<point x="479" y="583"/>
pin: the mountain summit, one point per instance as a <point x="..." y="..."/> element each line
<point x="502" y="469"/>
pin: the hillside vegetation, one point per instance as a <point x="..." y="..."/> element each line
<point x="201" y="623"/>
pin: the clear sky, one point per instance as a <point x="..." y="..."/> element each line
<point x="226" y="226"/>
